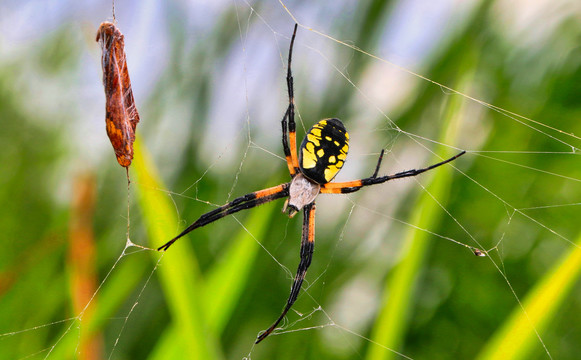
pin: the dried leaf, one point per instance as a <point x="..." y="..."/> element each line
<point x="121" y="113"/>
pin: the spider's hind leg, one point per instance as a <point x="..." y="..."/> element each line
<point x="307" y="248"/>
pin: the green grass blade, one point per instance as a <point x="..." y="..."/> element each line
<point x="178" y="271"/>
<point x="114" y="292"/>
<point x="517" y="338"/>
<point x="397" y="300"/>
<point x="226" y="280"/>
<point x="166" y="347"/>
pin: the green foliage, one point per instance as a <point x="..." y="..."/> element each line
<point x="386" y="277"/>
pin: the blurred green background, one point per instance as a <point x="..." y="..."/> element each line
<point x="390" y="276"/>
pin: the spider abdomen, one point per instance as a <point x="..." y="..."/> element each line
<point x="324" y="150"/>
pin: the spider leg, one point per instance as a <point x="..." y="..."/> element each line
<point x="352" y="186"/>
<point x="378" y="164"/>
<point x="307" y="247"/>
<point x="247" y="201"/>
<point x="289" y="136"/>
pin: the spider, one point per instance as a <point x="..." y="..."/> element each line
<point x="321" y="156"/>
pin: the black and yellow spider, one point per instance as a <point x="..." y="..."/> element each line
<point x="322" y="155"/>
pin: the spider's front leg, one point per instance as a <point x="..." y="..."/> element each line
<point x="289" y="136"/>
<point x="355" y="185"/>
<point x="307" y="247"/>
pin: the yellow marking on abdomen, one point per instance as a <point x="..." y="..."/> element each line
<point x="309" y="158"/>
<point x="330" y="172"/>
<point x="314" y="139"/>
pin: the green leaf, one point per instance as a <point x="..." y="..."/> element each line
<point x="519" y="335"/>
<point x="398" y="296"/>
<point x="178" y="269"/>
<point x="227" y="278"/>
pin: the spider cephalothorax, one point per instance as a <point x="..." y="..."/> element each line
<point x="322" y="154"/>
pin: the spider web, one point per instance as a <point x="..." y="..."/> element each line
<point x="366" y="231"/>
